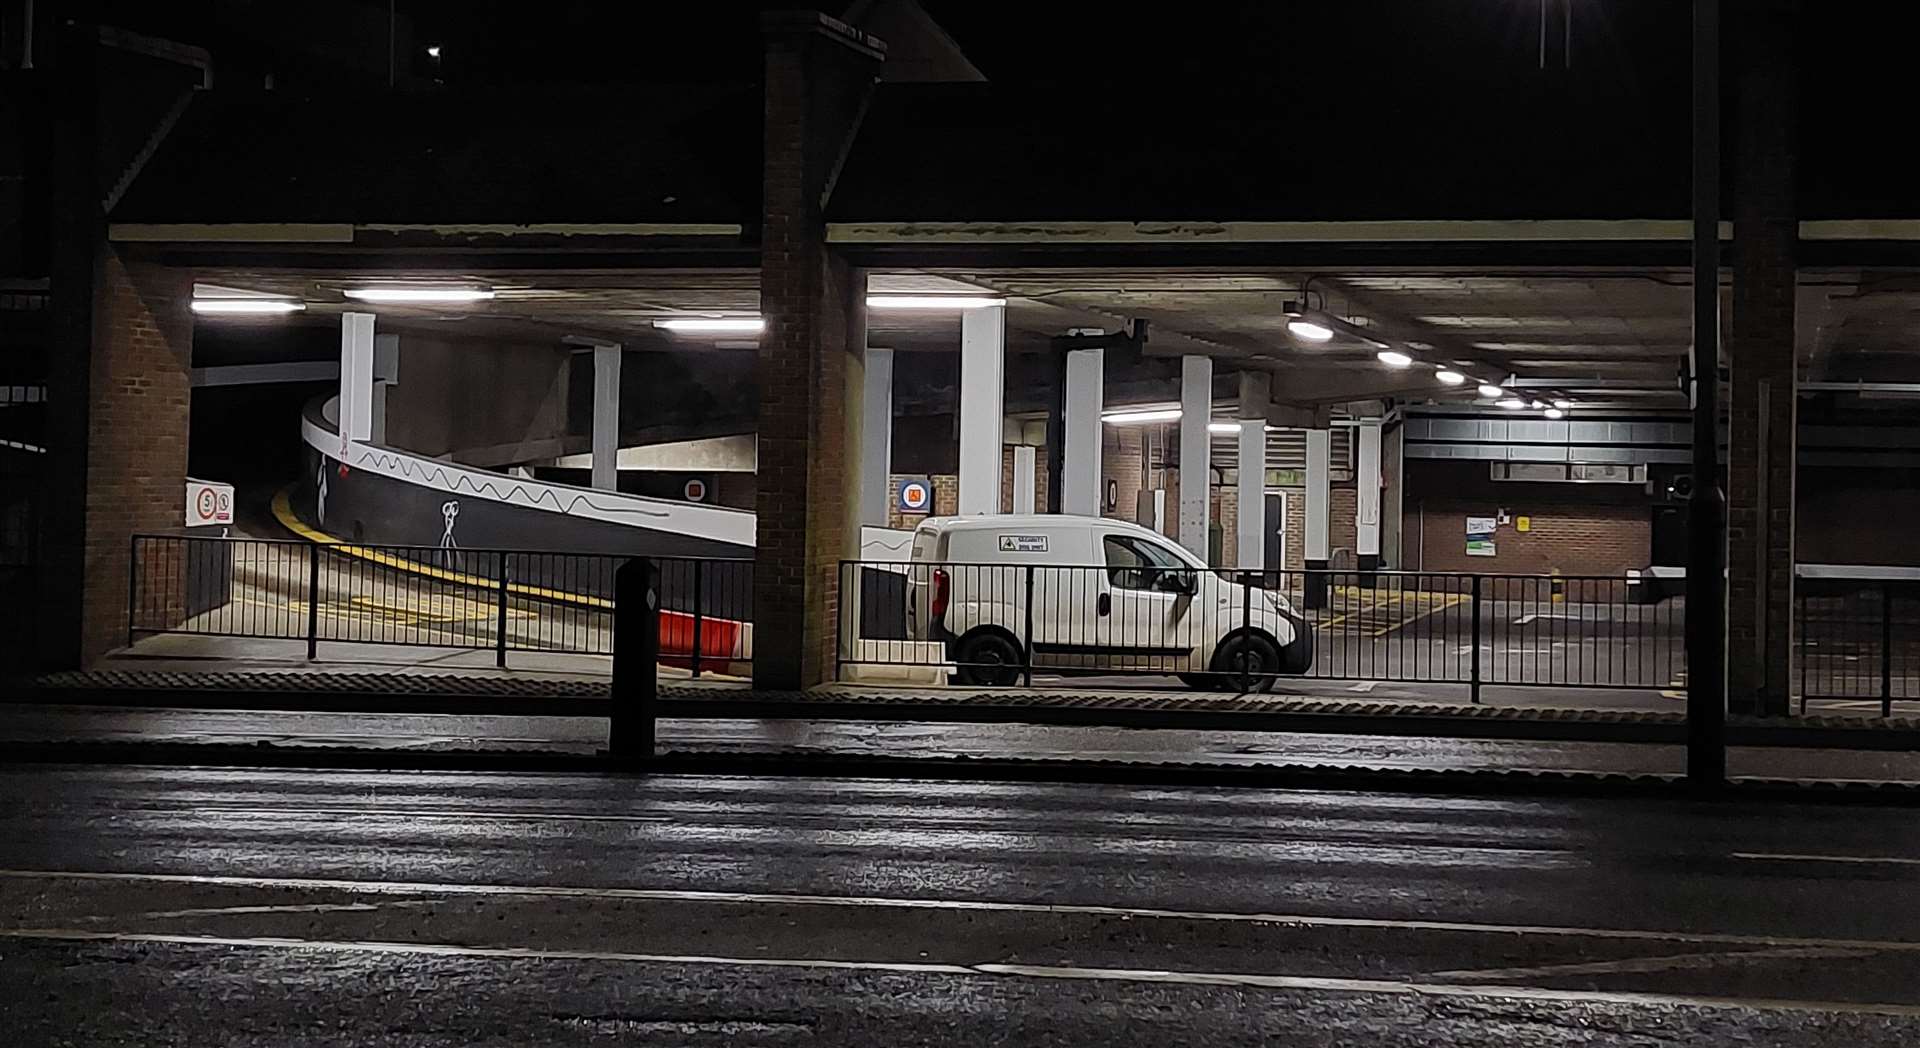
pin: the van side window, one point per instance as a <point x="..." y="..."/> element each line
<point x="1135" y="565"/>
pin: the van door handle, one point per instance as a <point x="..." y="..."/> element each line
<point x="1104" y="604"/>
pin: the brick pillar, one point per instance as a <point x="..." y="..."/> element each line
<point x="136" y="434"/>
<point x="811" y="364"/>
<point x="1761" y="447"/>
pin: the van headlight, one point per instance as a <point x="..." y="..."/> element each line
<point x="1280" y="603"/>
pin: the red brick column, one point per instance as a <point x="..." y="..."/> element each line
<point x="818" y="72"/>
<point x="137" y="411"/>
<point x="1762" y="444"/>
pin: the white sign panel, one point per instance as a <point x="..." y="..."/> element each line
<point x="1480" y="536"/>
<point x="208" y="503"/>
<point x="1023" y="543"/>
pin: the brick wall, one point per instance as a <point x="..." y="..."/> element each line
<point x="809" y="363"/>
<point x="137" y="433"/>
<point x="1762" y="405"/>
<point x="1575" y="529"/>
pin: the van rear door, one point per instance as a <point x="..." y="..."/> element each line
<point x="925" y="554"/>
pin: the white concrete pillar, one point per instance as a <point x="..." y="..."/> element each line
<point x="1318" y="514"/>
<point x="876" y="436"/>
<point x="1196" y="472"/>
<point x="1085" y="400"/>
<point x="1023" y="478"/>
<point x="356" y="377"/>
<point x="983" y="362"/>
<point x="606" y="416"/>
<point x="1366" y="517"/>
<point x="386" y="372"/>
<point x="1251" y="507"/>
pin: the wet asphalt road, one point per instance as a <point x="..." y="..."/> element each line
<point x="217" y="907"/>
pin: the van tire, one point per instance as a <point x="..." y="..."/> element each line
<point x="1252" y="654"/>
<point x="987" y="657"/>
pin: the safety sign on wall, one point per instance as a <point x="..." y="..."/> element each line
<point x="1480" y="536"/>
<point x="916" y="495"/>
<point x="208" y="503"/>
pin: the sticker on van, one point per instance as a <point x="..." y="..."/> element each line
<point x="1023" y="543"/>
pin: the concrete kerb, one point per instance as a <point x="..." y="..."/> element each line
<point x="457" y="693"/>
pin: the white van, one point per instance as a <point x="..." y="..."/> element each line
<point x="1094" y="596"/>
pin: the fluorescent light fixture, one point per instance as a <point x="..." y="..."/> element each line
<point x="1126" y="418"/>
<point x="1562" y="405"/>
<point x="714" y="325"/>
<point x="246" y="306"/>
<point x="1451" y="378"/>
<point x="419" y="295"/>
<point x="1513" y="403"/>
<point x="1309" y="330"/>
<point x="1537" y="405"/>
<point x="1491" y="391"/>
<point x="932" y="301"/>
<point x="433" y="50"/>
<point x="1556" y="413"/>
<point x="1393" y="358"/>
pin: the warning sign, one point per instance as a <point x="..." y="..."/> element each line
<point x="916" y="495"/>
<point x="208" y="503"/>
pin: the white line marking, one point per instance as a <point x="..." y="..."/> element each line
<point x="1524" y="619"/>
<point x="1645" y="964"/>
<point x="1263" y="981"/>
<point x="1862" y="860"/>
<point x="222" y="911"/>
<point x="1364" y="686"/>
<point x="402" y="813"/>
<point x="974" y="905"/>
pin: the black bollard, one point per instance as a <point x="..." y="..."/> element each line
<point x="636" y="660"/>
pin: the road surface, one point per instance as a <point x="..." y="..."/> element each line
<point x="223" y="907"/>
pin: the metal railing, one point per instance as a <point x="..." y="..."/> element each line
<point x="504" y="600"/>
<point x="1003" y="624"/>
<point x="1858" y="639"/>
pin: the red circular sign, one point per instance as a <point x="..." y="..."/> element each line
<point x="696" y="490"/>
<point x="205" y="504"/>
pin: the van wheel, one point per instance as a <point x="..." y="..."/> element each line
<point x="987" y="657"/>
<point x="1247" y="660"/>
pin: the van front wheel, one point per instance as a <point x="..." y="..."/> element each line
<point x="987" y="657"/>
<point x="1247" y="661"/>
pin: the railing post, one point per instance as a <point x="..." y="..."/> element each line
<point x="1246" y="628"/>
<point x="313" y="600"/>
<point x="636" y="658"/>
<point x="699" y="587"/>
<point x="133" y="575"/>
<point x="840" y="621"/>
<point x="1886" y="649"/>
<point x="1026" y="648"/>
<point x="500" y="613"/>
<point x="1475" y="678"/>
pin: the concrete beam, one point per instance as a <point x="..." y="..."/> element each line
<point x="1085" y="399"/>
<point x="982" y="397"/>
<point x="1196" y="472"/>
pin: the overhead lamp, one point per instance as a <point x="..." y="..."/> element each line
<point x="433" y="50"/>
<point x="1451" y="378"/>
<point x="714" y="325"/>
<point x="1491" y="391"/>
<point x="419" y="295"/>
<point x="1300" y="327"/>
<point x="246" y="306"/>
<point x="1128" y="418"/>
<point x="1513" y="403"/>
<point x="1393" y="358"/>
<point x="1562" y="405"/>
<point x="932" y="301"/>
<point x="1556" y="413"/>
<point x="1537" y="405"/>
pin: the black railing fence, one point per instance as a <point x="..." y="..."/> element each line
<point x="505" y="600"/>
<point x="1858" y="639"/>
<point x="1002" y="624"/>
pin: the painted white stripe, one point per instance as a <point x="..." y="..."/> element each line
<point x="228" y="911"/>
<point x="1029" y="971"/>
<point x="968" y="905"/>
<point x="1861" y="860"/>
<point x="1634" y="965"/>
<point x="399" y="813"/>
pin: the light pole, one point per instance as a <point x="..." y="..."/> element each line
<point x="1707" y="540"/>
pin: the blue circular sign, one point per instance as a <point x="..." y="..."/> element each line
<point x="916" y="495"/>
